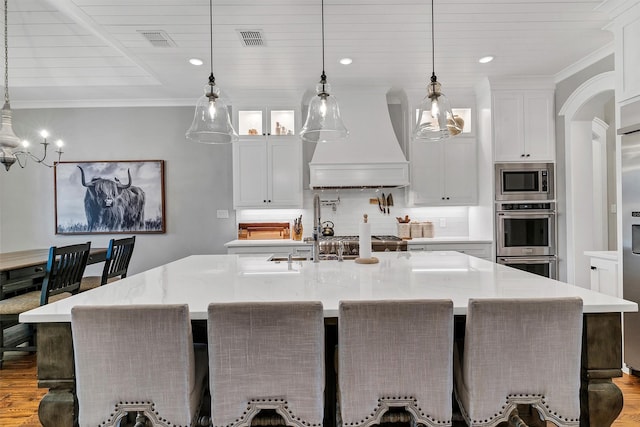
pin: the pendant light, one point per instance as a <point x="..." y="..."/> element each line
<point x="211" y="122"/>
<point x="435" y="119"/>
<point x="323" y="122"/>
<point x="9" y="141"/>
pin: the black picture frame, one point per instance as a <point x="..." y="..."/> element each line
<point x="109" y="197"/>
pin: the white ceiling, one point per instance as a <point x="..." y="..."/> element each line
<point x="91" y="52"/>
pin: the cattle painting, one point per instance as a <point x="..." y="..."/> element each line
<point x="110" y="197"/>
<point x="111" y="205"/>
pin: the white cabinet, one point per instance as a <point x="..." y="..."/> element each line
<point x="523" y="125"/>
<point x="444" y="172"/>
<point x="267" y="173"/>
<point x="604" y="273"/>
<point x="267" y="161"/>
<point x="476" y="249"/>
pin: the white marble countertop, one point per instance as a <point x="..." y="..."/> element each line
<point x="200" y="279"/>
<point x="445" y="240"/>
<point x="610" y="255"/>
<point x="266" y="242"/>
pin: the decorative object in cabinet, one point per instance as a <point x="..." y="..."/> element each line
<point x="523" y="125"/>
<point x="444" y="173"/>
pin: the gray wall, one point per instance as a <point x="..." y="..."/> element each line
<point x="564" y="89"/>
<point x="198" y="180"/>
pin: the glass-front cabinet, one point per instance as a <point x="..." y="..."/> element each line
<point x="252" y="122"/>
<point x="267" y="160"/>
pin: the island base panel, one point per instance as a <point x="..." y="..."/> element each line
<point x="600" y="399"/>
<point x="58" y="408"/>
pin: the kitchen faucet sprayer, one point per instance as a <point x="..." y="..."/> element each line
<point x="317" y="227"/>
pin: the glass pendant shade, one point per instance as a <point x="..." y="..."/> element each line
<point x="435" y="119"/>
<point x="211" y="122"/>
<point x="324" y="122"/>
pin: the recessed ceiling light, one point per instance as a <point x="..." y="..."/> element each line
<point x="485" y="59"/>
<point x="346" y="61"/>
<point x="196" y="61"/>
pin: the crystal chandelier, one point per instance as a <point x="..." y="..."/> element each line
<point x="9" y="142"/>
<point x="435" y="119"/>
<point x="211" y="123"/>
<point x="324" y="122"/>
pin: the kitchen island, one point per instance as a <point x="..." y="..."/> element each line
<point x="199" y="280"/>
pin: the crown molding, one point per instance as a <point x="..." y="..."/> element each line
<point x="585" y="62"/>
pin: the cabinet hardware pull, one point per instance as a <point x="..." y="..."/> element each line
<point x="594" y="268"/>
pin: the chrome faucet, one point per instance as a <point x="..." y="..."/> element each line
<point x="340" y="250"/>
<point x="317" y="227"/>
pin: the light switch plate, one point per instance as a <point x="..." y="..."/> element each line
<point x="222" y="213"/>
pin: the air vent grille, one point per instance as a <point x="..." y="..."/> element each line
<point x="157" y="38"/>
<point x="251" y="38"/>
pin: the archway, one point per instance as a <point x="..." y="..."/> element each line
<point x="579" y="111"/>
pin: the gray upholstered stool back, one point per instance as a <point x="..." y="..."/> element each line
<point x="395" y="354"/>
<point x="521" y="352"/>
<point x="137" y="356"/>
<point x="266" y="356"/>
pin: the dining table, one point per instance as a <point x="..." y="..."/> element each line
<point x="23" y="271"/>
<point x="199" y="280"/>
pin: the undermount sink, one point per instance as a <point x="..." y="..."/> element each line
<point x="324" y="257"/>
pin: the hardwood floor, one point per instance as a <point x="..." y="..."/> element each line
<point x="19" y="395"/>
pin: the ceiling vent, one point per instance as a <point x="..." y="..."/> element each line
<point x="157" y="38"/>
<point x="251" y="38"/>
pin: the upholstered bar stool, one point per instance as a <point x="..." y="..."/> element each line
<point x="265" y="358"/>
<point x="520" y="352"/>
<point x="395" y="354"/>
<point x="116" y="264"/>
<point x="137" y="359"/>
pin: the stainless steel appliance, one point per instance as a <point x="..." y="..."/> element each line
<point x="526" y="237"/>
<point x="630" y="151"/>
<point x="524" y="181"/>
<point x="526" y="229"/>
<point x="329" y="245"/>
<point x="546" y="266"/>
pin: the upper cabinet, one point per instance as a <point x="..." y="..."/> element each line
<point x="262" y="121"/>
<point x="524" y="125"/>
<point x="444" y="173"/>
<point x="267" y="160"/>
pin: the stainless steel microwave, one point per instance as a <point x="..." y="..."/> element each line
<point x="524" y="181"/>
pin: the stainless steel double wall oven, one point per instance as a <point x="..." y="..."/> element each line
<point x="526" y="218"/>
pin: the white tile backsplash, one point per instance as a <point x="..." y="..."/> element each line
<point x="447" y="221"/>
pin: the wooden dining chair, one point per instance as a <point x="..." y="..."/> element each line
<point x="266" y="364"/>
<point x="116" y="264"/>
<point x="395" y="362"/>
<point x="517" y="353"/>
<point x="65" y="267"/>
<point x="137" y="360"/>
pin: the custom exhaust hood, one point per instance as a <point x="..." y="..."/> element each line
<point x="371" y="156"/>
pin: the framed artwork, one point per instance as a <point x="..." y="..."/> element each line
<point x="125" y="196"/>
